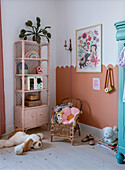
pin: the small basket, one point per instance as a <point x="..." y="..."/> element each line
<point x="32" y="97"/>
<point x="33" y="103"/>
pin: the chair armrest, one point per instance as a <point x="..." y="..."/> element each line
<point x="52" y="118"/>
<point x="80" y="112"/>
<point x="76" y="118"/>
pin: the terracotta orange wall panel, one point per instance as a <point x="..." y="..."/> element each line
<point x="62" y="83"/>
<point x="99" y="108"/>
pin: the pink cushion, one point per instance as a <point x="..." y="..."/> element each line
<point x="65" y="122"/>
<point x="75" y="111"/>
<point x="64" y="117"/>
<point x="67" y="111"/>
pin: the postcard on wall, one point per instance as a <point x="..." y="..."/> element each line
<point x="96" y="83"/>
<point x="88" y="49"/>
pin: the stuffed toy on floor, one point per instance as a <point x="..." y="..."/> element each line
<point x="110" y="135"/>
<point x="23" y="141"/>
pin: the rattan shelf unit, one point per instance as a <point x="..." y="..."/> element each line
<point x="31" y="117"/>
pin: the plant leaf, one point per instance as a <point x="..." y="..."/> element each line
<point x="25" y="38"/>
<point x="38" y="39"/>
<point x="44" y="32"/>
<point x="41" y="30"/>
<point x="47" y="39"/>
<point x="23" y="31"/>
<point x="28" y="34"/>
<point x="48" y="35"/>
<point x="47" y="27"/>
<point x="21" y="35"/>
<point x="38" y="19"/>
<point x="29" y="31"/>
<point x="29" y="23"/>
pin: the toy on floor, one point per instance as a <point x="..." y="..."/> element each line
<point x="110" y="135"/>
<point x="23" y="141"/>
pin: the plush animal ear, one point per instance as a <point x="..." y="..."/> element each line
<point x="40" y="136"/>
<point x="61" y="112"/>
<point x="15" y="131"/>
<point x="28" y="145"/>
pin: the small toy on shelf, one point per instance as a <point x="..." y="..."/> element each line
<point x="110" y="135"/>
<point x="31" y="54"/>
<point x="33" y="82"/>
<point x="38" y="70"/>
<point x="19" y="68"/>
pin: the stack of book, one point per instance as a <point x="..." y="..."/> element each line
<point x="107" y="145"/>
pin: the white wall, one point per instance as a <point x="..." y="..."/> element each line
<point x="64" y="16"/>
<point x="14" y="15"/>
<point x="76" y="14"/>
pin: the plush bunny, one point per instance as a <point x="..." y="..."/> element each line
<point x="23" y="141"/>
<point x="110" y="135"/>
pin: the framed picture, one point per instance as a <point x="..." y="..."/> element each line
<point x="88" y="49"/>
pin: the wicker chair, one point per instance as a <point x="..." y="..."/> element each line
<point x="67" y="130"/>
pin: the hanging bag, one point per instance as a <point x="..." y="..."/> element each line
<point x="109" y="81"/>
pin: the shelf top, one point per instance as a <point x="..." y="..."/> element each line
<point x="32" y="42"/>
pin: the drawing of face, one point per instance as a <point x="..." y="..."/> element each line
<point x="93" y="48"/>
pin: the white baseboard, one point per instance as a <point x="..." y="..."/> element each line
<point x="91" y="130"/>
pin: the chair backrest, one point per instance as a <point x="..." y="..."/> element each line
<point x="75" y="102"/>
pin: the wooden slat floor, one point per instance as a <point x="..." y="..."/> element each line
<point x="60" y="155"/>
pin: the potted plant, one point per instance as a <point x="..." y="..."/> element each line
<point x="36" y="31"/>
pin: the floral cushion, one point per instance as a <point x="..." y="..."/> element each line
<point x="69" y="114"/>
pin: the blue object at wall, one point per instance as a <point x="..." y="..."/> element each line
<point x="120" y="37"/>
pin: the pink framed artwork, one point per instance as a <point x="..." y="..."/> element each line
<point x="88" y="49"/>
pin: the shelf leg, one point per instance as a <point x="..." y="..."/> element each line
<point x="120" y="158"/>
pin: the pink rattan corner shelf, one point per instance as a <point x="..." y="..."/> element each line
<point x="31" y="117"/>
